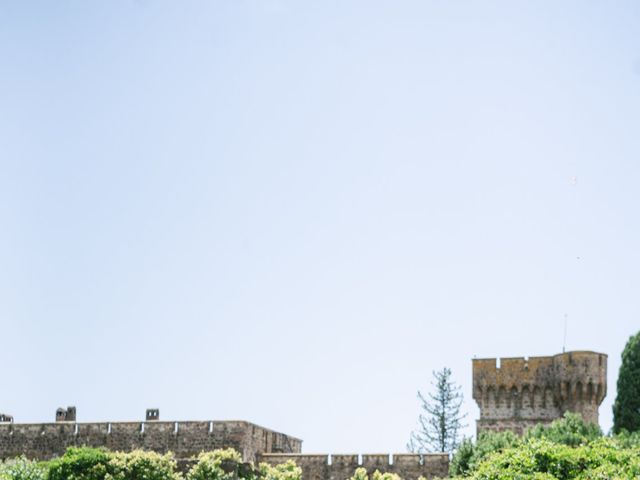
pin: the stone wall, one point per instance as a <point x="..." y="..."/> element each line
<point x="522" y="392"/>
<point x="185" y="439"/>
<point x="342" y="467"/>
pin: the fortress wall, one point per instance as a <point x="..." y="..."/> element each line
<point x="184" y="439"/>
<point x="342" y="467"/>
<point x="36" y="440"/>
<point x="124" y="436"/>
<point x="192" y="438"/>
<point x="258" y="440"/>
<point x="92" y="434"/>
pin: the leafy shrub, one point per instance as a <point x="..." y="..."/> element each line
<point x="385" y="476"/>
<point x="80" y="464"/>
<point x="142" y="465"/>
<point x="462" y="458"/>
<point x="542" y="459"/>
<point x="216" y="465"/>
<point x="570" y="430"/>
<point x="628" y="440"/>
<point x="284" y="471"/>
<point x="470" y="454"/>
<point x="361" y="474"/>
<point x="22" y="469"/>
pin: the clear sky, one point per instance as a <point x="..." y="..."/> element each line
<point x="292" y="212"/>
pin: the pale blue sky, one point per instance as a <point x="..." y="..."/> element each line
<point x="292" y="212"/>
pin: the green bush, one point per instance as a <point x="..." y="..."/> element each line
<point x="80" y="464"/>
<point x="361" y="474"/>
<point x="462" y="458"/>
<point x="22" y="469"/>
<point x="470" y="454"/>
<point x="97" y="464"/>
<point x="142" y="465"/>
<point x="628" y="440"/>
<point x="216" y="465"/>
<point x="570" y="430"/>
<point x="542" y="459"/>
<point x="284" y="471"/>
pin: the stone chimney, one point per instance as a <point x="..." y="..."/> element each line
<point x="68" y="415"/>
<point x="153" y="414"/>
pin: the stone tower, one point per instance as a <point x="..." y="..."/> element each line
<point x="518" y="393"/>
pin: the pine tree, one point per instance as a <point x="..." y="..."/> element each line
<point x="440" y="420"/>
<point x="626" y="408"/>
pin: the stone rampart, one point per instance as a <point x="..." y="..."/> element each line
<point x="43" y="441"/>
<point x="342" y="467"/>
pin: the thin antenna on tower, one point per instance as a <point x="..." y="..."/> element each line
<point x="564" y="340"/>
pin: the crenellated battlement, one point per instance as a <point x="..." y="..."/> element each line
<point x="517" y="393"/>
<point x="339" y="467"/>
<point x="42" y="441"/>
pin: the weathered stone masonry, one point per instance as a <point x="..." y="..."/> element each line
<point x="43" y="441"/>
<point x="521" y="392"/>
<point x="341" y="467"/>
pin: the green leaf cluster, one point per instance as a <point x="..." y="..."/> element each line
<point x="284" y="471"/>
<point x="216" y="465"/>
<point x="470" y="454"/>
<point x="361" y="474"/>
<point x="570" y="430"/>
<point x="142" y="465"/>
<point x="22" y="469"/>
<point x="99" y="464"/>
<point x="80" y="464"/>
<point x="542" y="459"/>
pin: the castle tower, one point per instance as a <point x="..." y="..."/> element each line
<point x="519" y="393"/>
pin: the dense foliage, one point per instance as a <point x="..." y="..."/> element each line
<point x="567" y="449"/>
<point x="80" y="464"/>
<point x="470" y="454"/>
<point x="571" y="430"/>
<point x="216" y="465"/>
<point x="542" y="459"/>
<point x="22" y="469"/>
<point x="626" y="408"/>
<point x="99" y="464"/>
<point x="142" y="465"/>
<point x="284" y="471"/>
<point x="361" y="474"/>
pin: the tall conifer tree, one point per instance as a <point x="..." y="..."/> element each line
<point x="440" y="421"/>
<point x="626" y="409"/>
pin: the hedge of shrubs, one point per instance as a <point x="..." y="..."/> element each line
<point x="568" y="449"/>
<point x="99" y="464"/>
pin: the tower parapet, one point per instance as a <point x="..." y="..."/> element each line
<point x="519" y="393"/>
